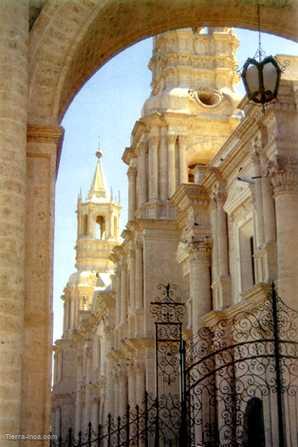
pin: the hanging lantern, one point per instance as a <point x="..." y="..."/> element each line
<point x="261" y="79"/>
<point x="261" y="75"/>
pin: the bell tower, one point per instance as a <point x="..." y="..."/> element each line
<point x="191" y="111"/>
<point x="98" y="224"/>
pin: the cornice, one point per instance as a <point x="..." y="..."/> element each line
<point x="256" y="295"/>
<point x="190" y="194"/>
<point x="42" y="134"/>
<point x="128" y="154"/>
<point x="138" y="130"/>
<point x="156" y="224"/>
<point x="47" y="135"/>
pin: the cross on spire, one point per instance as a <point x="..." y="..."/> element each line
<point x="98" y="187"/>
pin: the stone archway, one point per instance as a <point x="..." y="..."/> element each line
<point x="69" y="41"/>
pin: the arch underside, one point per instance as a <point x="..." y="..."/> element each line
<point x="71" y="40"/>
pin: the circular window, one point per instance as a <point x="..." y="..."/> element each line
<point x="209" y="99"/>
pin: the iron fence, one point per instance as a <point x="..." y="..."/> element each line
<point x="138" y="427"/>
<point x="235" y="384"/>
<point x="242" y="379"/>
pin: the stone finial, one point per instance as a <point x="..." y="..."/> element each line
<point x="99" y="154"/>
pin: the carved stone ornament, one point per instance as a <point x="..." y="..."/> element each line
<point x="200" y="250"/>
<point x="285" y="182"/>
<point x="284" y="175"/>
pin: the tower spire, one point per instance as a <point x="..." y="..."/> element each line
<point x="98" y="189"/>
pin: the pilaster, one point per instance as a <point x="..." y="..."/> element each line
<point x="132" y="278"/>
<point x="223" y="280"/>
<point x="132" y="176"/>
<point x="139" y="277"/>
<point x="42" y="148"/>
<point x="163" y="180"/>
<point x="182" y="156"/>
<point x="153" y="167"/>
<point x="285" y="188"/>
<point x="172" y="164"/>
<point x="123" y="299"/>
<point x="142" y="175"/>
<point x="199" y="272"/>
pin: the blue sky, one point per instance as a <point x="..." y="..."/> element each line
<point x="107" y="107"/>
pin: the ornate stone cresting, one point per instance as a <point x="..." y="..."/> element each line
<point x="285" y="176"/>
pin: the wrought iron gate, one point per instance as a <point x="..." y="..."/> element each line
<point x="235" y="384"/>
<point x="168" y="314"/>
<point x="242" y="379"/>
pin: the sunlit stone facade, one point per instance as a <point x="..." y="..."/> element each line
<point x="49" y="49"/>
<point x="80" y="356"/>
<point x="191" y="222"/>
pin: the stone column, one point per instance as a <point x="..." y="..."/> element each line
<point x="13" y="118"/>
<point x="94" y="419"/>
<point x="150" y="371"/>
<point x="285" y="185"/>
<point x="268" y="211"/>
<point x="140" y="383"/>
<point x="183" y="162"/>
<point x="88" y="388"/>
<point x="77" y="309"/>
<point x="132" y="388"/>
<point x="258" y="199"/>
<point x="65" y="313"/>
<point x="132" y="176"/>
<point x="171" y="164"/>
<point x="43" y="145"/>
<point x="223" y="255"/>
<point x="123" y="298"/>
<point x="123" y="392"/>
<point x="163" y="180"/>
<point x="118" y="293"/>
<point x="72" y="313"/>
<point x="139" y="276"/>
<point x="132" y="279"/>
<point x="269" y="230"/>
<point x="199" y="277"/>
<point x="116" y="394"/>
<point x="214" y="232"/>
<point x="153" y="168"/>
<point x="109" y="390"/>
<point x="142" y="175"/>
<point x="78" y="399"/>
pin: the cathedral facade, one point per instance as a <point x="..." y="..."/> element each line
<point x="211" y="209"/>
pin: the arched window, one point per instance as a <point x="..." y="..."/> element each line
<point x="254" y="430"/>
<point x="100" y="230"/>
